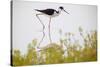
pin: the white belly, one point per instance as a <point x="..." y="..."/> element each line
<point x="55" y="14"/>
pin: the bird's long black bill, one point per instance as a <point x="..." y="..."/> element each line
<point x="66" y="11"/>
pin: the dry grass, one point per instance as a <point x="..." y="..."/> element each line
<point x="56" y="54"/>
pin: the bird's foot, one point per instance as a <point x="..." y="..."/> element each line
<point x="38" y="47"/>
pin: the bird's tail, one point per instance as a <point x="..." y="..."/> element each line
<point x="36" y="10"/>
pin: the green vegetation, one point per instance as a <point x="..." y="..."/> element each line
<point x="55" y="53"/>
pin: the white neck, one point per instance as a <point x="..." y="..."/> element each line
<point x="59" y="10"/>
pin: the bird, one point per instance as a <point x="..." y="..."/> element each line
<point x="50" y="13"/>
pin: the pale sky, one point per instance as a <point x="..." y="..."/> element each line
<point x="27" y="27"/>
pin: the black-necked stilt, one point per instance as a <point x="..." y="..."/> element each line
<point x="51" y="13"/>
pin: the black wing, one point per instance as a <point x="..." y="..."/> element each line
<point x="47" y="11"/>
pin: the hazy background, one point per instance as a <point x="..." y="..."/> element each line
<point x="27" y="27"/>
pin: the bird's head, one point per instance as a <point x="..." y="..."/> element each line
<point x="62" y="9"/>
